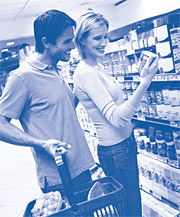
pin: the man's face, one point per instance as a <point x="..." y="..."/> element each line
<point x="64" y="44"/>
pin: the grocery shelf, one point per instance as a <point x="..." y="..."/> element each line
<point x="156" y="121"/>
<point x="160" y="192"/>
<point x="158" y="77"/>
<point x="160" y="180"/>
<point x="152" y="206"/>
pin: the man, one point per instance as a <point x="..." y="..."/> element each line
<point x="37" y="95"/>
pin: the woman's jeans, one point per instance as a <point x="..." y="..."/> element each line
<point x="79" y="180"/>
<point x="120" y="162"/>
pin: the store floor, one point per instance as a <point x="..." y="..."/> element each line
<point x="18" y="182"/>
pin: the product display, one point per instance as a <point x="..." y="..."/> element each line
<point x="157" y="119"/>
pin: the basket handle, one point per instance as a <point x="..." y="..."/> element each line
<point x="64" y="173"/>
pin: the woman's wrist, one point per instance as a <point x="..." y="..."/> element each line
<point x="144" y="83"/>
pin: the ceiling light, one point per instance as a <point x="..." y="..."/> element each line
<point x="4" y="50"/>
<point x="10" y="43"/>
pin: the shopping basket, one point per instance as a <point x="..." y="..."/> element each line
<point x="111" y="204"/>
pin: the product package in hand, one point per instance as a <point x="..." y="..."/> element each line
<point x="144" y="57"/>
<point x="47" y="204"/>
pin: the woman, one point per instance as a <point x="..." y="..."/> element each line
<point x="101" y="96"/>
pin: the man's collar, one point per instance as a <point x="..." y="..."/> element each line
<point x="37" y="64"/>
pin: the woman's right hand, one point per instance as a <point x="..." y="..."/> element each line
<point x="149" y="71"/>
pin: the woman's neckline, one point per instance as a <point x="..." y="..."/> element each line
<point x="97" y="65"/>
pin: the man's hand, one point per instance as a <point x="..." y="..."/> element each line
<point x="55" y="147"/>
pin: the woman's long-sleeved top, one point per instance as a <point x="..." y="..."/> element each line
<point x="101" y="96"/>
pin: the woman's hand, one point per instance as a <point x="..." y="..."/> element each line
<point x="149" y="71"/>
<point x="55" y="147"/>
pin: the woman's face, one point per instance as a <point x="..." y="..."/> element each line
<point x="96" y="42"/>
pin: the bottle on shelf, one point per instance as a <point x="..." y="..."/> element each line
<point x="151" y="132"/>
<point x="176" y="135"/>
<point x="162" y="146"/>
<point x="171" y="151"/>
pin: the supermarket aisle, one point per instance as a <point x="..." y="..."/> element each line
<point x="18" y="182"/>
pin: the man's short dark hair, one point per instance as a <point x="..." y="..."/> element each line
<point x="50" y="25"/>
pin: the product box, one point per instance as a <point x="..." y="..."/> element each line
<point x="163" y="49"/>
<point x="161" y="33"/>
<point x="175" y="36"/>
<point x="174" y="97"/>
<point x="168" y="112"/>
<point x="175" y="111"/>
<point x="112" y="47"/>
<point x="166" y="96"/>
<point x="161" y="111"/>
<point x="175" y="40"/>
<point x="166" y="65"/>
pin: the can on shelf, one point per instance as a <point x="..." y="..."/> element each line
<point x="145" y="55"/>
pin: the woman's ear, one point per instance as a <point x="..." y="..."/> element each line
<point x="82" y="41"/>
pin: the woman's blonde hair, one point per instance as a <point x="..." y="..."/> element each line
<point x="87" y="21"/>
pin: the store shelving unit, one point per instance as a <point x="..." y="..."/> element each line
<point x="6" y="65"/>
<point x="159" y="175"/>
<point x="12" y="55"/>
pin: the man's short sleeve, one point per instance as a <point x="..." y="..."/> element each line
<point x="13" y="98"/>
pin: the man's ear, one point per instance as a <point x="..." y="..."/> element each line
<point x="45" y="42"/>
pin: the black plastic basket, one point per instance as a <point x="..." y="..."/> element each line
<point x="110" y="205"/>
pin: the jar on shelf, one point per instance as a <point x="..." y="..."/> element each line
<point x="159" y="97"/>
<point x="171" y="151"/>
<point x="152" y="97"/>
<point x="144" y="109"/>
<point x="152" y="140"/>
<point x="147" y="144"/>
<point x="162" y="146"/>
<point x="152" y="110"/>
<point x="140" y="142"/>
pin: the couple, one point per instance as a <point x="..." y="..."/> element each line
<point x="37" y="95"/>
